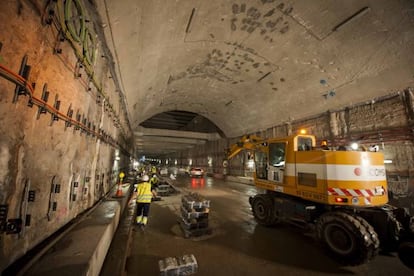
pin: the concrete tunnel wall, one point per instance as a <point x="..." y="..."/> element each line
<point x="50" y="170"/>
<point x="66" y="169"/>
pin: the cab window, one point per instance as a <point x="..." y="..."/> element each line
<point x="304" y="143"/>
<point x="261" y="164"/>
<point x="277" y="154"/>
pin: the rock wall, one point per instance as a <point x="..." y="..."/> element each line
<point x="57" y="151"/>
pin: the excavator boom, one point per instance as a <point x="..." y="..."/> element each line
<point x="249" y="142"/>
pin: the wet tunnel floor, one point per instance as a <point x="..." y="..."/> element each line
<point x="237" y="245"/>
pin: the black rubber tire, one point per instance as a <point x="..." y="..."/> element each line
<point x="262" y="207"/>
<point x="373" y="237"/>
<point x="350" y="239"/>
<point x="406" y="254"/>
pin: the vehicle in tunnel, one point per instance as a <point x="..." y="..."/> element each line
<point x="196" y="172"/>
<point x="340" y="195"/>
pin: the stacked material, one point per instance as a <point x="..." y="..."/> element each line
<point x="164" y="189"/>
<point x="194" y="215"/>
<point x="171" y="266"/>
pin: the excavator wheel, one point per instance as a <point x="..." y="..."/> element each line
<point x="373" y="237"/>
<point x="406" y="254"/>
<point x="262" y="206"/>
<point x="351" y="239"/>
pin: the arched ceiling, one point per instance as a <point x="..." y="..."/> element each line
<point x="249" y="65"/>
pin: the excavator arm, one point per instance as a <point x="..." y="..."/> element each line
<point x="249" y="142"/>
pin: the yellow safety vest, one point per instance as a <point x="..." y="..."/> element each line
<point x="144" y="193"/>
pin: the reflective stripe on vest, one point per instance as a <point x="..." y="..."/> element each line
<point x="144" y="193"/>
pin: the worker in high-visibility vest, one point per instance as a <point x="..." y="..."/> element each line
<point x="154" y="181"/>
<point x="144" y="196"/>
<point x="153" y="170"/>
<point x="154" y="185"/>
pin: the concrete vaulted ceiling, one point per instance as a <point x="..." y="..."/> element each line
<point x="249" y="65"/>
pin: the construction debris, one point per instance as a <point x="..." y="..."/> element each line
<point x="164" y="188"/>
<point x="172" y="266"/>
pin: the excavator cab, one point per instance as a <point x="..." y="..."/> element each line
<point x="277" y="157"/>
<point x="305" y="143"/>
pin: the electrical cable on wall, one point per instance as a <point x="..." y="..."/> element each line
<point x="29" y="91"/>
<point x="81" y="40"/>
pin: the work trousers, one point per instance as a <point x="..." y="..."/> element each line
<point x="142" y="212"/>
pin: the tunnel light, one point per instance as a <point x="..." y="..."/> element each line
<point x="250" y="164"/>
<point x="354" y="146"/>
<point x="190" y="162"/>
<point x="387" y="161"/>
<point x="210" y="161"/>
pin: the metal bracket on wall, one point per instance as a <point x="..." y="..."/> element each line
<point x="4" y="209"/>
<point x="59" y="39"/>
<point x="75" y="190"/>
<point x="85" y="189"/>
<point x="56" y="105"/>
<point x="78" y="68"/>
<point x="24" y="72"/>
<point x="32" y="196"/>
<point x="89" y="128"/>
<point x="24" y="207"/>
<point x="30" y="102"/>
<point x="70" y="115"/>
<point x="90" y="83"/>
<point x="45" y="97"/>
<point x="83" y="122"/>
<point x="78" y="119"/>
<point x="49" y="13"/>
<point x="14" y="226"/>
<point x="54" y="189"/>
<point x="74" y="186"/>
<point x="10" y="226"/>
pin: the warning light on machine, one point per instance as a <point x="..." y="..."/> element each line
<point x="341" y="200"/>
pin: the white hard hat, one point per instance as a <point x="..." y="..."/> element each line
<point x="145" y="178"/>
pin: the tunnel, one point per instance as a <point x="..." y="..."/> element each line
<point x="96" y="93"/>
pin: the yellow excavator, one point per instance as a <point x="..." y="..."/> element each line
<point x="341" y="194"/>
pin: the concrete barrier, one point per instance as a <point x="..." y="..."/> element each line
<point x="83" y="249"/>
